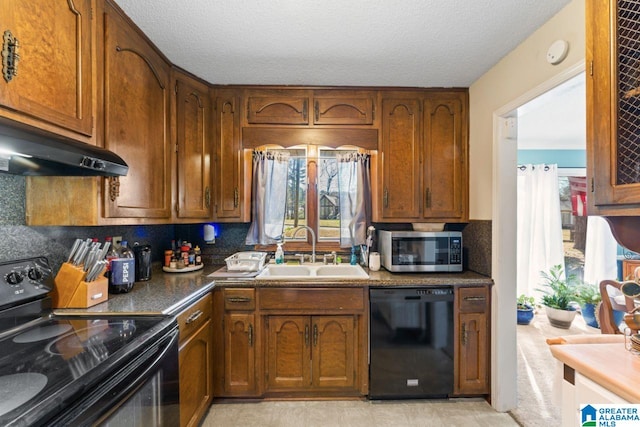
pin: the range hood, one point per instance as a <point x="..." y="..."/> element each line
<point x="34" y="154"/>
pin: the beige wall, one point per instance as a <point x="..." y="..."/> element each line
<point x="519" y="72"/>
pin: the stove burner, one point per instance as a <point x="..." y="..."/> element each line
<point x="17" y="389"/>
<point x="41" y="333"/>
<point x="93" y="337"/>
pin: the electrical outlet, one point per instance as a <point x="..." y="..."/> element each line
<point x="116" y="241"/>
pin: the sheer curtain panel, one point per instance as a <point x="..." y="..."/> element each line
<point x="269" y="198"/>
<point x="354" y="183"/>
<point x="539" y="229"/>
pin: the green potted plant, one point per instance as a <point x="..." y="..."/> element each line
<point x="525" y="309"/>
<point x="560" y="296"/>
<point x="589" y="297"/>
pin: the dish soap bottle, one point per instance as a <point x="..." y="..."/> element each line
<point x="354" y="258"/>
<point x="279" y="254"/>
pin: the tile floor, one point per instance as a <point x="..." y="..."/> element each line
<point x="432" y="413"/>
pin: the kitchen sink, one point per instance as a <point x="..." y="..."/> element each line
<point x="312" y="272"/>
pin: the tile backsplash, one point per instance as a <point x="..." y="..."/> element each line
<point x="17" y="240"/>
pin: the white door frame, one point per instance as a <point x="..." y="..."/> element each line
<point x="504" y="368"/>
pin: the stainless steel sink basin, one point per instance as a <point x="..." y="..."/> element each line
<point x="312" y="272"/>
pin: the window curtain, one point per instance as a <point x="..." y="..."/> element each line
<point x="269" y="197"/>
<point x="539" y="226"/>
<point x="354" y="185"/>
<point x="601" y="250"/>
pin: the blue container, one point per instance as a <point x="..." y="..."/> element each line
<point x="589" y="315"/>
<point x="525" y="316"/>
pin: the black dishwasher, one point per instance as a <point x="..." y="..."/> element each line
<point x="411" y="343"/>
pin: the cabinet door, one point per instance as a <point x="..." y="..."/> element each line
<point x="613" y="108"/>
<point x="239" y="354"/>
<point x="334" y="352"/>
<point x="196" y="387"/>
<point x="194" y="149"/>
<point x="401" y="145"/>
<point x="445" y="167"/>
<point x="288" y="353"/>
<point x="472" y="341"/>
<point x="52" y="79"/>
<point x="277" y="108"/>
<point x="332" y="107"/>
<point x="136" y="122"/>
<point x="229" y="192"/>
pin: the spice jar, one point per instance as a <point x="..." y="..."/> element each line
<point x="168" y="254"/>
<point x="184" y="253"/>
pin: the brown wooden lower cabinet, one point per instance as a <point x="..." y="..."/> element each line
<point x="471" y="375"/>
<point x="281" y="342"/>
<point x="195" y="361"/>
<point x="311" y="353"/>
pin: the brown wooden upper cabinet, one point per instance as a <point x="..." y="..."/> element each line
<point x="231" y="184"/>
<point x="613" y="113"/>
<point x="337" y="107"/>
<point x="136" y="86"/>
<point x="424" y="166"/>
<point x="194" y="148"/>
<point x="278" y="107"/>
<point x="47" y="75"/>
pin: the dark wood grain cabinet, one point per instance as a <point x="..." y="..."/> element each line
<point x="471" y="345"/>
<point x="136" y="122"/>
<point x="239" y="359"/>
<point x="310" y="353"/>
<point x="50" y="88"/>
<point x="424" y="165"/>
<point x="613" y="108"/>
<point x="277" y="107"/>
<point x="232" y="179"/>
<point x="342" y="107"/>
<point x="194" y="149"/>
<point x="195" y="361"/>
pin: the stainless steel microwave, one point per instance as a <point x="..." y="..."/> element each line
<point x="420" y="251"/>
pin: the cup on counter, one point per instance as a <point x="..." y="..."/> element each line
<point x="374" y="261"/>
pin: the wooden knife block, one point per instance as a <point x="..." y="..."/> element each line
<point x="71" y="291"/>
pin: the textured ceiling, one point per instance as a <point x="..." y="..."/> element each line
<point x="422" y="43"/>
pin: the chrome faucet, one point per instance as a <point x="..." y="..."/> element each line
<point x="313" y="239"/>
<point x="332" y="255"/>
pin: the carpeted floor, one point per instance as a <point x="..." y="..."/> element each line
<point x="536" y="369"/>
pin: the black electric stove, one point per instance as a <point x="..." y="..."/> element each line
<point x="50" y="365"/>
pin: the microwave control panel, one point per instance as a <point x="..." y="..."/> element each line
<point x="455" y="250"/>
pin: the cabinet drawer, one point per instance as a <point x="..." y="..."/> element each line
<point x="240" y="299"/>
<point x="344" y="299"/>
<point x="473" y="300"/>
<point x="190" y="320"/>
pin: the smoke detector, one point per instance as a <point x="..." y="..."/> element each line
<point x="557" y="52"/>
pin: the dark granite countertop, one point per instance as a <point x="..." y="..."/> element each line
<point x="164" y="294"/>
<point x="380" y="278"/>
<point x="169" y="293"/>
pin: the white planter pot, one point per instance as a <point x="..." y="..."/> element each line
<point x="560" y="318"/>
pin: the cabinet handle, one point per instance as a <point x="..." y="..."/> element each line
<point x="238" y="299"/>
<point x="475" y="298"/>
<point x="235" y="197"/>
<point x="194" y="316"/>
<point x="9" y="56"/>
<point x="315" y="335"/>
<point x="385" y="198"/>
<point x="428" y="198"/>
<point x="207" y="197"/>
<point x="464" y="334"/>
<point x="114" y="188"/>
<point x="250" y="335"/>
<point x="306" y="335"/>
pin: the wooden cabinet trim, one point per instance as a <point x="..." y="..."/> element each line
<point x="310" y="299"/>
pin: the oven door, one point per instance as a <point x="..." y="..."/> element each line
<point x="145" y="392"/>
